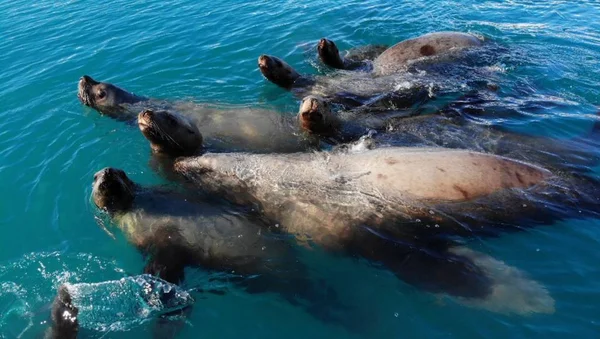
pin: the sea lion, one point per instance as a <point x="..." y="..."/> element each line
<point x="106" y="98"/>
<point x="64" y="322"/>
<point x="175" y="230"/>
<point x="356" y="58"/>
<point x="396" y="57"/>
<point x="223" y="127"/>
<point x="447" y="128"/>
<point x="382" y="204"/>
<point x="235" y="130"/>
<point x="351" y="88"/>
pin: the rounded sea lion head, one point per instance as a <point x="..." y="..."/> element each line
<point x="329" y="54"/>
<point x="315" y="115"/>
<point x="112" y="190"/>
<point x="277" y="71"/>
<point x="170" y="133"/>
<point x="102" y="96"/>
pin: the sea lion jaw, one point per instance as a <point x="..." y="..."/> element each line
<point x="315" y="115"/>
<point x="277" y="71"/>
<point x="169" y="133"/>
<point x="112" y="190"/>
<point x="330" y="54"/>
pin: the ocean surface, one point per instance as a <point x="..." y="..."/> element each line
<point x="206" y="51"/>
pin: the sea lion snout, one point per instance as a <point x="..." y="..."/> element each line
<point x="145" y="118"/>
<point x="314" y="114"/>
<point x="264" y="61"/>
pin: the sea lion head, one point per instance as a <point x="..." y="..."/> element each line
<point x="112" y="190"/>
<point x="170" y="133"/>
<point x="329" y="54"/>
<point x="65" y="324"/>
<point x="103" y="96"/>
<point x="315" y="115"/>
<point x="277" y="71"/>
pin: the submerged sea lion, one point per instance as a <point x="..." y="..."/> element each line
<point x="355" y="58"/>
<point x="396" y="57"/>
<point x="377" y="204"/>
<point x="175" y="230"/>
<point x="223" y="127"/>
<point x="446" y="128"/>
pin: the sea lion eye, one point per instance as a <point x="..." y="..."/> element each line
<point x="170" y="119"/>
<point x="101" y="94"/>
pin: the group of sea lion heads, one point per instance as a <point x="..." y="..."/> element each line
<point x="407" y="208"/>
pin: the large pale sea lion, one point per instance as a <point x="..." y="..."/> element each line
<point x="446" y="128"/>
<point x="223" y="127"/>
<point x="396" y="57"/>
<point x="361" y="202"/>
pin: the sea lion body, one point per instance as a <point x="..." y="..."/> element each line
<point x="396" y="57"/>
<point x="191" y="231"/>
<point x="386" y="205"/>
<point x="326" y="195"/>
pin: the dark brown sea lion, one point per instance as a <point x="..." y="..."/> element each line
<point x="350" y="89"/>
<point x="175" y="230"/>
<point x="64" y="322"/>
<point x="236" y="130"/>
<point x="106" y="98"/>
<point x="356" y="58"/>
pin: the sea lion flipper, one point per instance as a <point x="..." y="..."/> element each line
<point x="167" y="257"/>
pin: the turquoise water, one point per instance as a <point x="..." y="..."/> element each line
<point x="50" y="146"/>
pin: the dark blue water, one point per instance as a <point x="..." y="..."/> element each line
<point x="50" y="146"/>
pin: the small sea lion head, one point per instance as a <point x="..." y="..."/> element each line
<point x="329" y="54"/>
<point x="64" y="316"/>
<point x="315" y="115"/>
<point x="102" y="96"/>
<point x="277" y="71"/>
<point x="170" y="133"/>
<point x="112" y="190"/>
